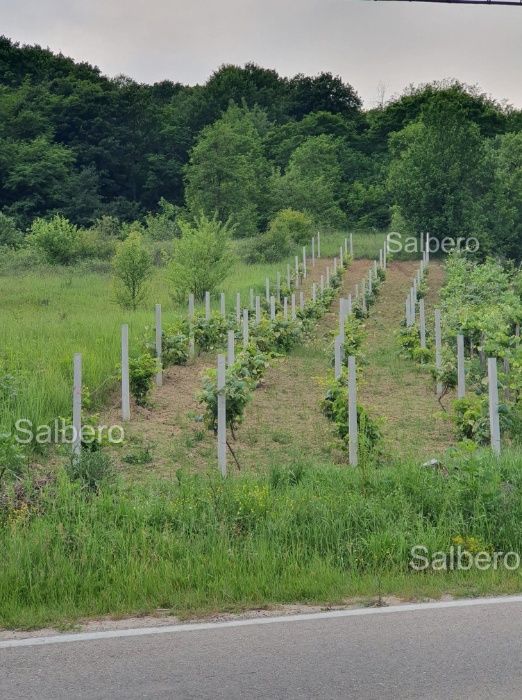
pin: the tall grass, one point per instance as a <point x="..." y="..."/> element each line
<point x="293" y="535"/>
<point x="46" y="317"/>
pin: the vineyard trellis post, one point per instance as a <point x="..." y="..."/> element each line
<point x="238" y="308"/>
<point x="272" y="308"/>
<point x="318" y="244"/>
<point x="192" y="348"/>
<point x="207" y="306"/>
<point x="438" y="348"/>
<point x="231" y="348"/>
<point x="337" y="356"/>
<point x="125" y="385"/>
<point x="245" y="329"/>
<point x="293" y="308"/>
<point x="494" y="421"/>
<point x="461" y="373"/>
<point x="258" y="311"/>
<point x="77" y="406"/>
<point x="304" y="262"/>
<point x="221" y="416"/>
<point x="313" y="251"/>
<point x="159" y="335"/>
<point x="353" y="438"/>
<point x="422" y="321"/>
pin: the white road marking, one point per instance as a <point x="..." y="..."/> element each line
<point x="243" y="622"/>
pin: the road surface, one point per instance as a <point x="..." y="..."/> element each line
<point x="468" y="649"/>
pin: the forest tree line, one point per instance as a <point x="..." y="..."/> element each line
<point x="98" y="153"/>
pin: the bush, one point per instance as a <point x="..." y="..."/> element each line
<point x="132" y="266"/>
<point x="142" y="370"/>
<point x="91" y="469"/>
<point x="175" y="345"/>
<point x="58" y="239"/>
<point x="287" y="228"/>
<point x="202" y="257"/>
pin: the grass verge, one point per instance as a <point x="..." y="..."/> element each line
<point x="296" y="534"/>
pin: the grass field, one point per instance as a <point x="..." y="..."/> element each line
<point x="299" y="534"/>
<point x="48" y="315"/>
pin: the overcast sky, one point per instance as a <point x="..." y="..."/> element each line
<point x="368" y="43"/>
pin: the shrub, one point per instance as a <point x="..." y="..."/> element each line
<point x="142" y="370"/>
<point x="209" y="333"/>
<point x="132" y="267"/>
<point x="91" y="469"/>
<point x="202" y="257"/>
<point x="175" y="345"/>
<point x="237" y="392"/>
<point x="58" y="239"/>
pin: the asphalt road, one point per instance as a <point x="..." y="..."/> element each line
<point x="471" y="651"/>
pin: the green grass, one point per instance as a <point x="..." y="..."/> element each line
<point x="48" y="316"/>
<point x="299" y="534"/>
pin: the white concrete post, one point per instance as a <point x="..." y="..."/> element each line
<point x="278" y="286"/>
<point x="314" y="292"/>
<point x="341" y="256"/>
<point x="207" y="305"/>
<point x="375" y="269"/>
<point x="318" y="244"/>
<point x="258" y="311"/>
<point x="304" y="261"/>
<point x="77" y="406"/>
<point x="335" y="266"/>
<point x="352" y="413"/>
<point x="313" y="252"/>
<point x="238" y="308"/>
<point x="327" y="276"/>
<point x="293" y="308"/>
<point x="301" y="300"/>
<point x="322" y="284"/>
<point x="222" y="416"/>
<point x="288" y="278"/>
<point x="159" y="337"/>
<point x="192" y="348"/>
<point x="427" y="248"/>
<point x="296" y="271"/>
<point x="413" y="306"/>
<point x="245" y="329"/>
<point x="342" y="316"/>
<point x="363" y="298"/>
<point x="251" y="298"/>
<point x="346" y="246"/>
<point x="380" y="259"/>
<point x="494" y="422"/>
<point x="422" y="321"/>
<point x="272" y="308"/>
<point x="349" y="305"/>
<point x="351" y="244"/>
<point x="337" y="356"/>
<point x="385" y="255"/>
<point x="438" y="347"/>
<point x="461" y="375"/>
<point x="370" y="286"/>
<point x="408" y="311"/>
<point x="285" y="308"/>
<point x="231" y="348"/>
<point x="125" y="382"/>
